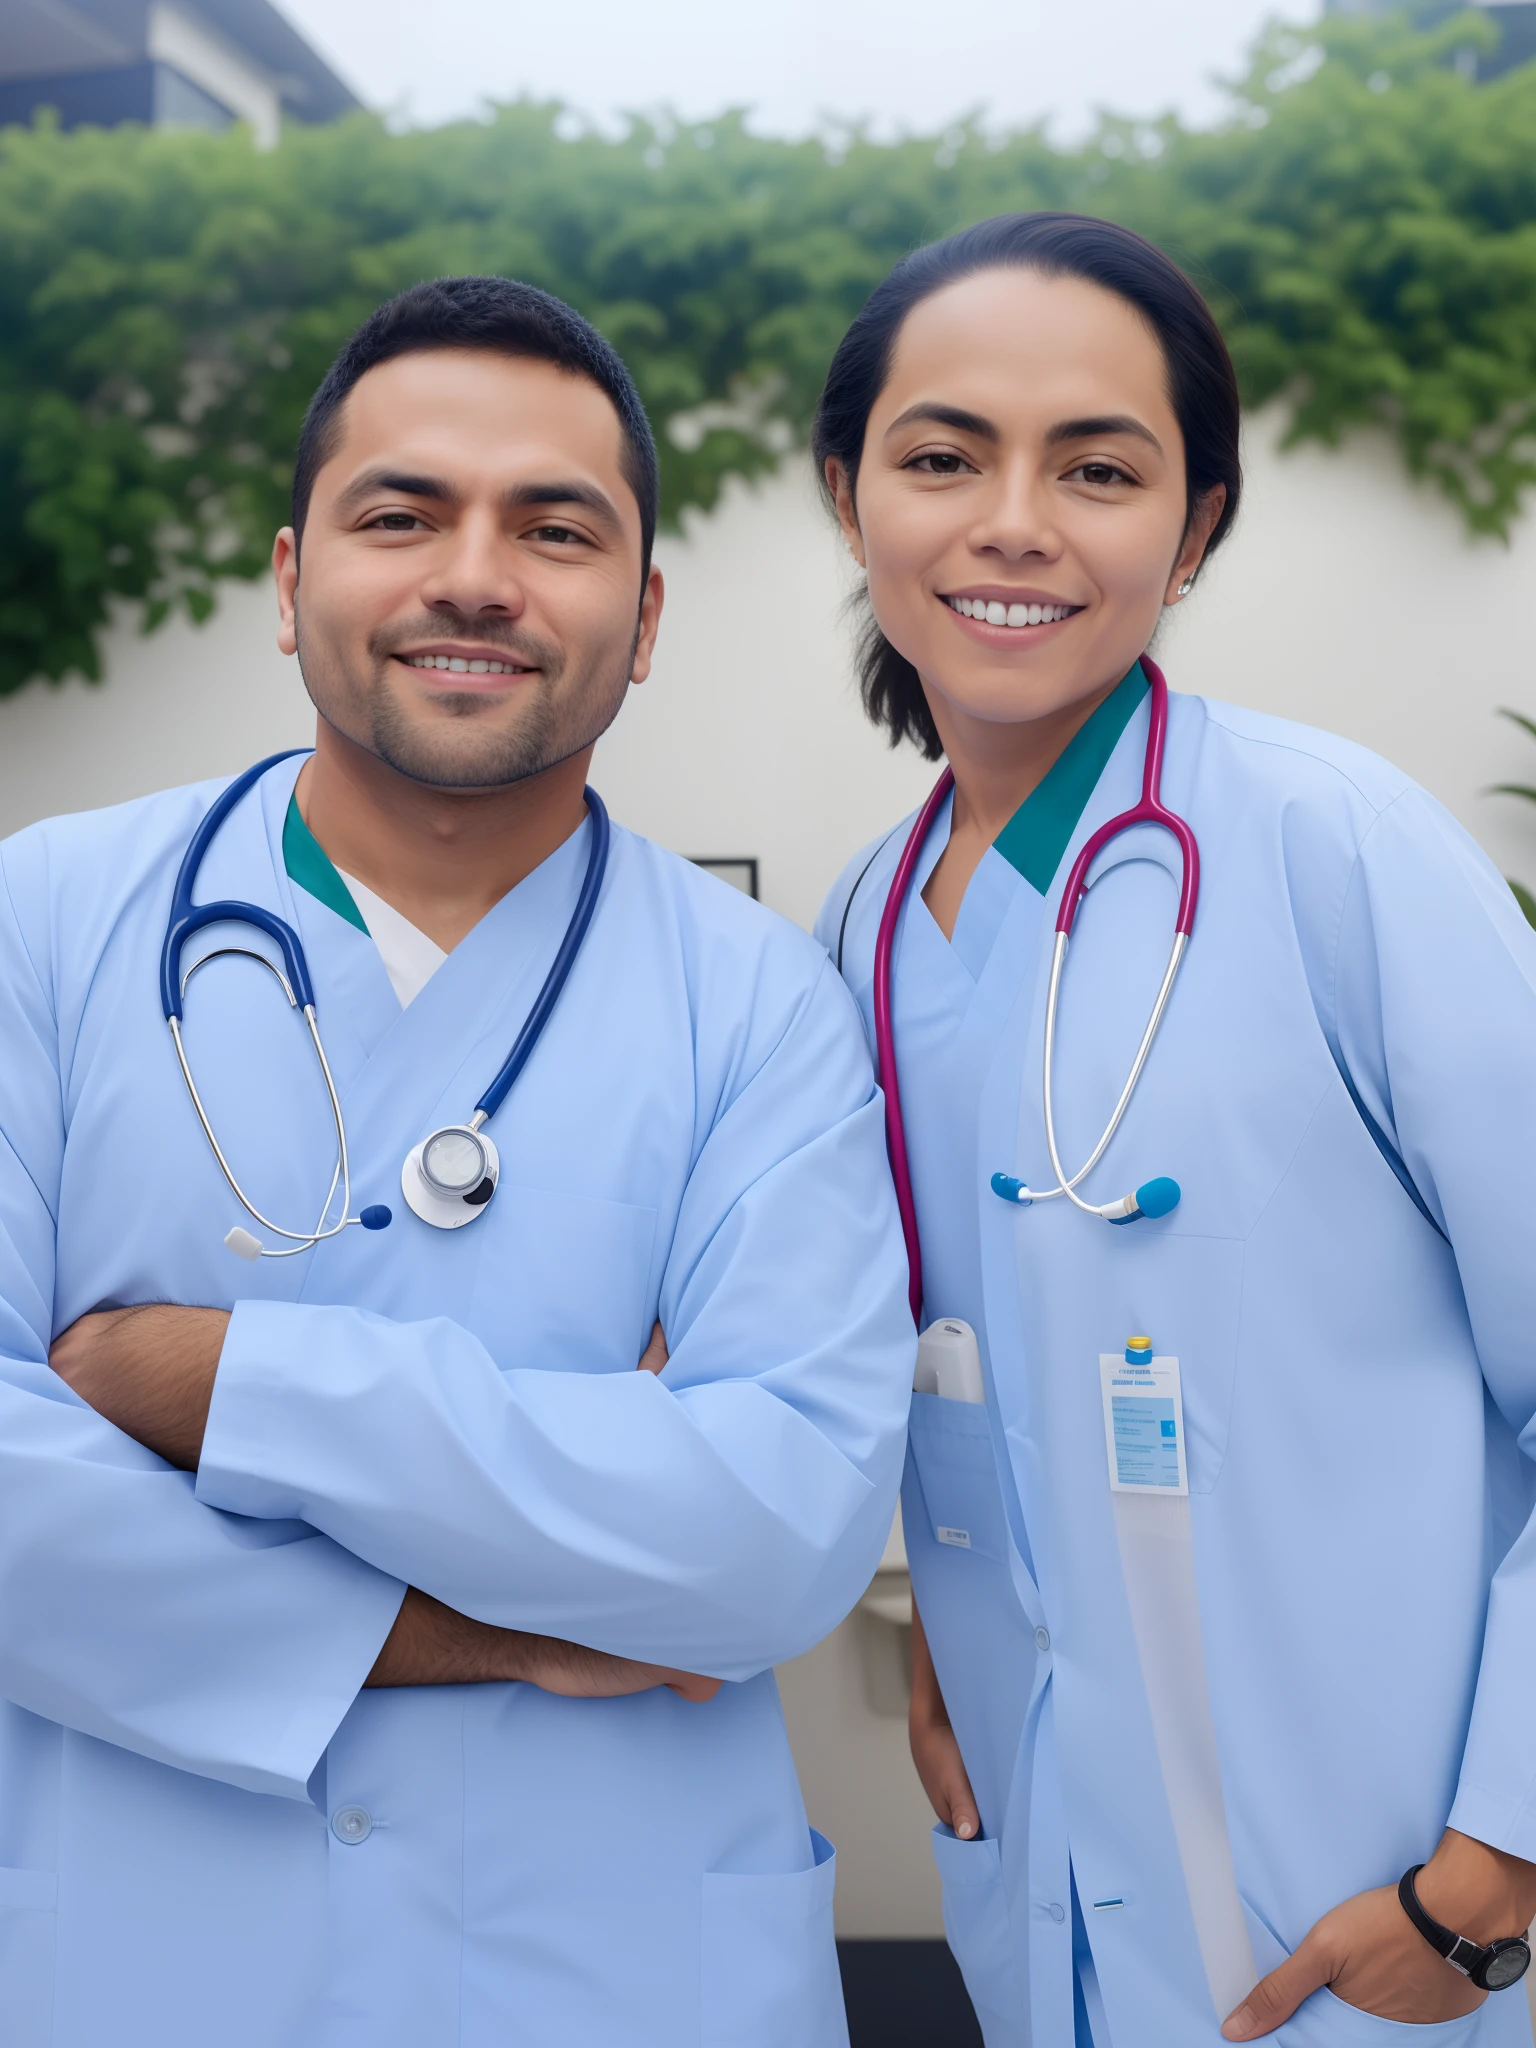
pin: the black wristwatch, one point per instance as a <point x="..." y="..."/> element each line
<point x="1493" y="1968"/>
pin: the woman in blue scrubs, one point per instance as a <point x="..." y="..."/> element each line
<point x="1186" y="1722"/>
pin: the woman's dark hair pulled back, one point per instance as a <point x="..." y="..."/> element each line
<point x="1201" y="382"/>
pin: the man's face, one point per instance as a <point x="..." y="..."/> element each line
<point x="471" y="609"/>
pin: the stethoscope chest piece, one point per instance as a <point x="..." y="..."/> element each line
<point x="450" y="1176"/>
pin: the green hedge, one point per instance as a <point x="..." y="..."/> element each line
<point x="1364" y="223"/>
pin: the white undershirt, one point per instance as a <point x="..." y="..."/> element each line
<point x="410" y="958"/>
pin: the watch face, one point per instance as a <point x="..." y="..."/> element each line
<point x="1507" y="1965"/>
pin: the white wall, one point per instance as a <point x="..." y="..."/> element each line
<point x="1353" y="599"/>
<point x="1347" y="598"/>
<point x="183" y="703"/>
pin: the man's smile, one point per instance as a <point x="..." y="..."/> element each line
<point x="471" y="667"/>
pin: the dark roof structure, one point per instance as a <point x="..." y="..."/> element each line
<point x="204" y="63"/>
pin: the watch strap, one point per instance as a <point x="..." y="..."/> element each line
<point x="1471" y="1958"/>
<point x="1440" y="1938"/>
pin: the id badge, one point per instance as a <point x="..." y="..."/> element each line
<point x="1143" y="1425"/>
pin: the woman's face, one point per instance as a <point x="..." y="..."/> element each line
<point x="1020" y="506"/>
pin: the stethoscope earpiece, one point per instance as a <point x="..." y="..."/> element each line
<point x="1159" y="1197"/>
<point x="1153" y="1198"/>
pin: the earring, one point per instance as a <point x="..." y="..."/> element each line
<point x="1186" y="587"/>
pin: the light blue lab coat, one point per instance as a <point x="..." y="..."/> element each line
<point x="696" y="1138"/>
<point x="1345" y="1088"/>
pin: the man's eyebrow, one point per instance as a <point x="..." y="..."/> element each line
<point x="564" y="491"/>
<point x="1098" y="427"/>
<point x="398" y="483"/>
<point x="440" y="490"/>
<point x="954" y="416"/>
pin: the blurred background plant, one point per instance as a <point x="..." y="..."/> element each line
<point x="1364" y="222"/>
<point x="1523" y="896"/>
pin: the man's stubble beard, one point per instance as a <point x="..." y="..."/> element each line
<point x="552" y="725"/>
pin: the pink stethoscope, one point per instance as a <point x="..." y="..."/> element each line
<point x="1154" y="1197"/>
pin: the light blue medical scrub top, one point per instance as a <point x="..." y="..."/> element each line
<point x="209" y="1825"/>
<point x="1344" y="1088"/>
<point x="953" y="1000"/>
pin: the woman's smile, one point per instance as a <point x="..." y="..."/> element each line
<point x="1004" y="618"/>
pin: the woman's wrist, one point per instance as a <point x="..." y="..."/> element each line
<point x="1480" y="1892"/>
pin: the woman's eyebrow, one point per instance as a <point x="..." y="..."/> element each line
<point x="946" y="416"/>
<point x="1098" y="427"/>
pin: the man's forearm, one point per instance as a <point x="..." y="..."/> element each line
<point x="431" y="1644"/>
<point x="151" y="1371"/>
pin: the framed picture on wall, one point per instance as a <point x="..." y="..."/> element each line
<point x="739" y="870"/>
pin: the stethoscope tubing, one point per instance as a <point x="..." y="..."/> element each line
<point x="187" y="918"/>
<point x="560" y="967"/>
<point x="885" y="1037"/>
<point x="1065" y="1186"/>
<point x="1150" y="810"/>
<point x="301" y="1240"/>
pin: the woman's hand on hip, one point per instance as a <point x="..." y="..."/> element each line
<point x="1370" y="1954"/>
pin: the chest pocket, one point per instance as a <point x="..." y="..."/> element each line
<point x="952" y="1450"/>
<point x="563" y="1281"/>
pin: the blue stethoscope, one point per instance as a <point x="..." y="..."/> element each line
<point x="450" y="1176"/>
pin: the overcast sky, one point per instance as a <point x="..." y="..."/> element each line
<point x="911" y="64"/>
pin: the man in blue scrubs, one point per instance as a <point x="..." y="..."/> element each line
<point x="383" y="1658"/>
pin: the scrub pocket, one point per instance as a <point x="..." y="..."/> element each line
<point x="770" y="1976"/>
<point x="952" y="1450"/>
<point x="976" y="1922"/>
<point x="28" y="1899"/>
<point x="1324" y="2021"/>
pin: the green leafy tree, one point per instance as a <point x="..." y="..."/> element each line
<point x="1364" y="223"/>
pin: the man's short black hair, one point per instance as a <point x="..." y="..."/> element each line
<point x="502" y="317"/>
